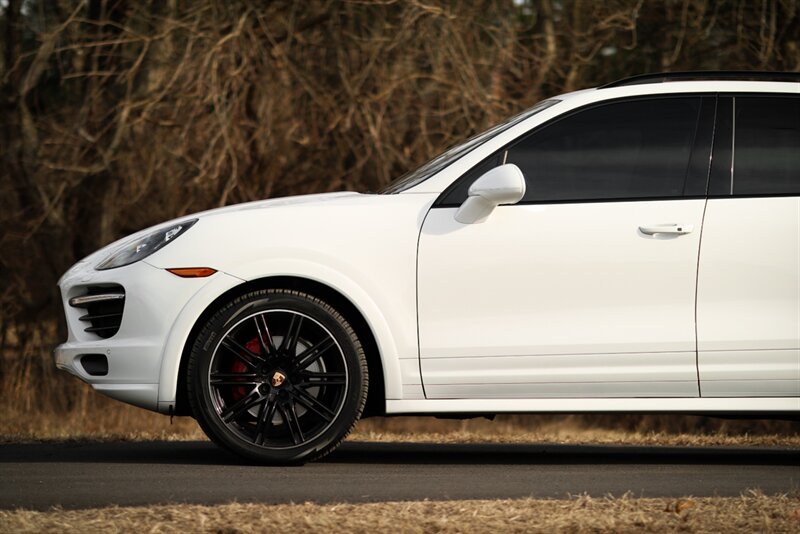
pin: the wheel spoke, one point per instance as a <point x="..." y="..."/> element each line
<point x="311" y="379"/>
<point x="241" y="406"/>
<point x="313" y="354"/>
<point x="289" y="342"/>
<point x="289" y="416"/>
<point x="314" y="405"/>
<point x="264" y="337"/>
<point x="233" y="379"/>
<point x="265" y="416"/>
<point x="250" y="358"/>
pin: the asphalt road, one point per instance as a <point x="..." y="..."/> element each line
<point x="80" y="475"/>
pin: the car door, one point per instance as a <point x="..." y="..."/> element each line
<point x="585" y="288"/>
<point x="748" y="306"/>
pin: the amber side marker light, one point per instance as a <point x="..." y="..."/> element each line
<point x="192" y="272"/>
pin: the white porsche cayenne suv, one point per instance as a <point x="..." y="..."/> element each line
<point x="628" y="248"/>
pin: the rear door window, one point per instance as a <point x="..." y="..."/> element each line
<point x="766" y="152"/>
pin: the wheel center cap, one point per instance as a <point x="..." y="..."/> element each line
<point x="277" y="379"/>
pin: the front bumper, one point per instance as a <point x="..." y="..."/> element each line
<point x="154" y="299"/>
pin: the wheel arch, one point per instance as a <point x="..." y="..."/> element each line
<point x="376" y="396"/>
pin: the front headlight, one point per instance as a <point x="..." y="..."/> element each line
<point x="144" y="246"/>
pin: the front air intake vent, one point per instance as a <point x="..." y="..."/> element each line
<point x="95" y="364"/>
<point x="104" y="305"/>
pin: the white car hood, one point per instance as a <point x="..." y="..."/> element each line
<point x="105" y="251"/>
<point x="269" y="203"/>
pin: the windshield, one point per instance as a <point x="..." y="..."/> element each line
<point x="412" y="178"/>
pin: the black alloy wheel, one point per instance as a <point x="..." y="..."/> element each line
<point x="277" y="376"/>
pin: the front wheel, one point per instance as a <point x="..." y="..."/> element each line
<point x="277" y="376"/>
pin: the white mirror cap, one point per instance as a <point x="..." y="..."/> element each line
<point x="502" y="185"/>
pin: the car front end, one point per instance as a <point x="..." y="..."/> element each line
<point x="119" y="311"/>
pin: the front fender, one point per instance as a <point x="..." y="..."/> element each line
<point x="179" y="335"/>
<point x="320" y="272"/>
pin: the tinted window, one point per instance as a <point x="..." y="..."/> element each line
<point x="767" y="146"/>
<point x="624" y="150"/>
<point x="441" y="161"/>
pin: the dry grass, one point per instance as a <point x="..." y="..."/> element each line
<point x="585" y="437"/>
<point x="98" y="418"/>
<point x="753" y="512"/>
<point x="93" y="417"/>
<point x="601" y="429"/>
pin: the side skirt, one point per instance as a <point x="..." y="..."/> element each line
<point x="696" y="405"/>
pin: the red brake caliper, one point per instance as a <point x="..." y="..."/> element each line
<point x="239" y="367"/>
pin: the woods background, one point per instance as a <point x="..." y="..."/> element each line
<point x="118" y="114"/>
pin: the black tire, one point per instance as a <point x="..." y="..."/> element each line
<point x="278" y="377"/>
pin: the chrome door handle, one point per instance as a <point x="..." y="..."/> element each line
<point x="679" y="229"/>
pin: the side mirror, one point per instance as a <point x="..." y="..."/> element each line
<point x="502" y="185"/>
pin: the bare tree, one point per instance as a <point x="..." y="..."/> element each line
<point x="118" y="114"/>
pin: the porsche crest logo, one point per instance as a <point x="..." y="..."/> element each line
<point x="277" y="379"/>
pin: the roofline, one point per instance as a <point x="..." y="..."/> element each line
<point x="705" y="75"/>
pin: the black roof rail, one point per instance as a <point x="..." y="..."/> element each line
<point x="750" y="75"/>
